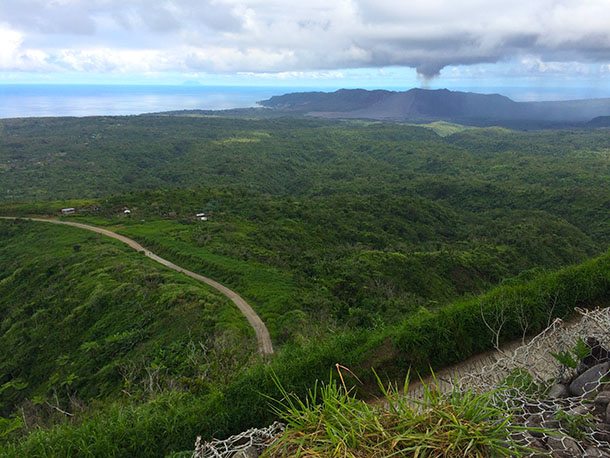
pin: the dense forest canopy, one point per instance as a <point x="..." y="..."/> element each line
<point x="348" y="238"/>
<point x="362" y="222"/>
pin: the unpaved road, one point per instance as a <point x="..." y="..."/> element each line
<point x="265" y="347"/>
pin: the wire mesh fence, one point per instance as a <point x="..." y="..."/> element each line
<point x="248" y="444"/>
<point x="557" y="386"/>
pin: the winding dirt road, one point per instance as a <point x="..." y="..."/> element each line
<point x="265" y="347"/>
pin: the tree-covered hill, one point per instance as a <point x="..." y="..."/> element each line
<point x="435" y="104"/>
<point x="50" y="158"/>
<point x="165" y="421"/>
<point x="84" y="318"/>
<point x="370" y="244"/>
<point x="358" y="222"/>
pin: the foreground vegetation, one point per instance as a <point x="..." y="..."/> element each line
<point x="423" y="341"/>
<point x="332" y="422"/>
<point x="87" y="319"/>
<point x="371" y="245"/>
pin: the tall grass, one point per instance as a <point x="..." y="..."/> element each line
<point x="332" y="422"/>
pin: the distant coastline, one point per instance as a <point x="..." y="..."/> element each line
<point x="38" y="100"/>
<point x="17" y="101"/>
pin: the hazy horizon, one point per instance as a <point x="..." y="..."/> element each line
<point x="39" y="100"/>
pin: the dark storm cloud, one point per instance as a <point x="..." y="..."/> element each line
<point x="278" y="35"/>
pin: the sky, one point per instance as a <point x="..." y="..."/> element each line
<point x="321" y="43"/>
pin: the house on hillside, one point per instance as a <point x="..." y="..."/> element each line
<point x="127" y="212"/>
<point x="68" y="211"/>
<point x="202" y="216"/>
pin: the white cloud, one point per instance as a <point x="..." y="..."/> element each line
<point x="318" y="35"/>
<point x="11" y="42"/>
<point x="103" y="60"/>
<point x="13" y="56"/>
<point x="313" y="75"/>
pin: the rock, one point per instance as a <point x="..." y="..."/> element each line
<point x="588" y="382"/>
<point x="534" y="421"/>
<point x="522" y="438"/>
<point x="601" y="434"/>
<point x="551" y="424"/>
<point x="594" y="452"/>
<point x="581" y="368"/>
<point x="579" y="410"/>
<point x="563" y="447"/>
<point x="558" y="391"/>
<point x="537" y="447"/>
<point x="248" y="452"/>
<point x="608" y="414"/>
<point x="603" y="398"/>
<point x="533" y="409"/>
<point x="599" y="412"/>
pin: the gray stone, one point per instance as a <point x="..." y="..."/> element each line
<point x="601" y="433"/>
<point x="599" y="412"/>
<point x="551" y="424"/>
<point x="248" y="452"/>
<point x="538" y="448"/>
<point x="588" y="382"/>
<point x="579" y="410"/>
<point x="534" y="421"/>
<point x="608" y="414"/>
<point x="603" y="397"/>
<point x="594" y="452"/>
<point x="558" y="391"/>
<point x="582" y="368"/>
<point x="548" y="415"/>
<point x="563" y="447"/>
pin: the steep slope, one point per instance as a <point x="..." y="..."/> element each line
<point x="86" y="317"/>
<point x="265" y="346"/>
<point x="427" y="339"/>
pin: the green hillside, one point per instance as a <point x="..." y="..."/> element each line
<point x="370" y="244"/>
<point x="168" y="420"/>
<point x="89" y="319"/>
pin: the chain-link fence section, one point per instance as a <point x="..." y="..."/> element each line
<point x="558" y="385"/>
<point x="536" y="356"/>
<point x="249" y="444"/>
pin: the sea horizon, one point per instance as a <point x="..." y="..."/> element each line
<point x="44" y="100"/>
<point x="81" y="100"/>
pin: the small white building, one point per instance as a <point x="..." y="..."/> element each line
<point x="127" y="211"/>
<point x="68" y="211"/>
<point x="202" y="216"/>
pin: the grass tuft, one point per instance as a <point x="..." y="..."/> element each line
<point x="332" y="422"/>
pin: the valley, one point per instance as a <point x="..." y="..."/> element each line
<point x="370" y="244"/>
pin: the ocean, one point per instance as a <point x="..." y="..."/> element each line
<point x="28" y="100"/>
<point x="31" y="100"/>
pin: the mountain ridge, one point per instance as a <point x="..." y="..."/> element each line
<point x="438" y="104"/>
